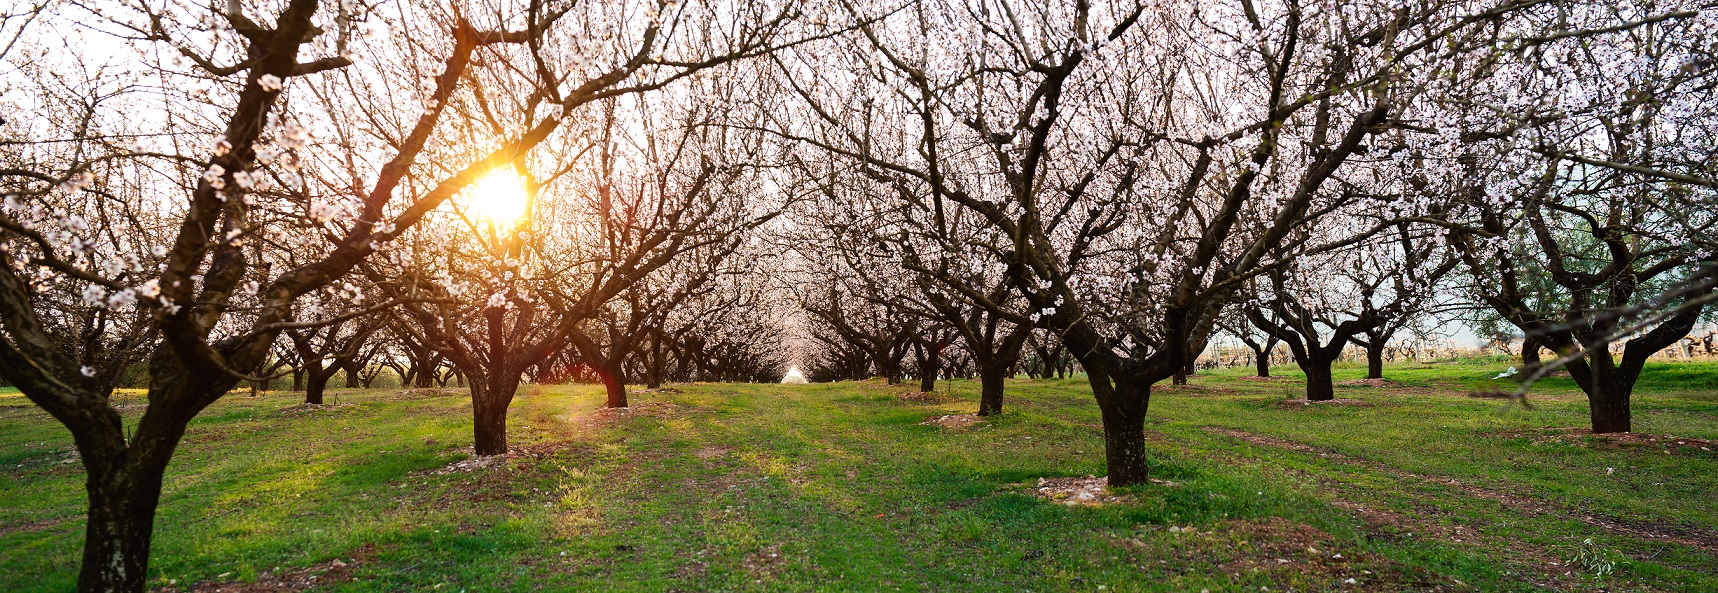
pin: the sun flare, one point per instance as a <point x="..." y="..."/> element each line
<point x="500" y="197"/>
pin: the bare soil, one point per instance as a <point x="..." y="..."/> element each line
<point x="954" y="421"/>
<point x="1292" y="404"/>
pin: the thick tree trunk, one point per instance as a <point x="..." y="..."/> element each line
<point x="611" y="380"/>
<point x="1609" y="407"/>
<point x="1263" y="364"/>
<point x="928" y="374"/>
<point x="122" y="501"/>
<point x="353" y="380"/>
<point x="1124" y="435"/>
<point x="489" y="402"/>
<point x="991" y="381"/>
<point x="1319" y="386"/>
<point x="298" y="380"/>
<point x="316" y="383"/>
<point x="1375" y="359"/>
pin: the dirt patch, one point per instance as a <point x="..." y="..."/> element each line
<point x="1288" y="551"/>
<point x="1260" y="379"/>
<point x="477" y="463"/>
<point x="922" y="397"/>
<point x="1195" y="390"/>
<point x="954" y="421"/>
<point x="1269" y="441"/>
<point x="765" y="562"/>
<point x="1368" y="383"/>
<point x="302" y="410"/>
<point x="1083" y="491"/>
<point x="1617" y="440"/>
<point x="1089" y="490"/>
<point x="712" y="452"/>
<point x="1295" y="404"/>
<point x="29" y="525"/>
<point x="317" y="575"/>
<point x="660" y="410"/>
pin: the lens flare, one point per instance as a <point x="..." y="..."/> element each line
<point x="500" y="197"/>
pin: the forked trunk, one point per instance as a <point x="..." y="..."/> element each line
<point x="1319" y="386"/>
<point x="353" y="378"/>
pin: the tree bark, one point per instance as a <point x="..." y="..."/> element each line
<point x="612" y="381"/>
<point x="928" y="374"/>
<point x="991" y="378"/>
<point x="1375" y="359"/>
<point x="298" y="379"/>
<point x="1124" y="436"/>
<point x="653" y="376"/>
<point x="1319" y="386"/>
<point x="1530" y="362"/>
<point x="489" y="402"/>
<point x="123" y="496"/>
<point x="1263" y="363"/>
<point x="316" y="383"/>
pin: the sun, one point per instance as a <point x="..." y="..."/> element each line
<point x="500" y="197"/>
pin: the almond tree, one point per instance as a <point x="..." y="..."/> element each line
<point x="253" y="174"/>
<point x="1136" y="166"/>
<point x="601" y="218"/>
<point x="1581" y="185"/>
<point x="1323" y="302"/>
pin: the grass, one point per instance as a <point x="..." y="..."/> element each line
<point x="841" y="488"/>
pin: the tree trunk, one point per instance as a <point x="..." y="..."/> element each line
<point x="653" y="375"/>
<point x="1124" y="436"/>
<point x="316" y="383"/>
<point x="298" y="379"/>
<point x="1375" y="359"/>
<point x="1609" y="405"/>
<point x="928" y="374"/>
<point x="122" y="501"/>
<point x="991" y="380"/>
<point x="353" y="381"/>
<point x="1262" y="361"/>
<point x="489" y="402"/>
<point x="1319" y="386"/>
<point x="1530" y="362"/>
<point x="611" y="380"/>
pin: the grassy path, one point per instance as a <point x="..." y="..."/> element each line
<point x="842" y="488"/>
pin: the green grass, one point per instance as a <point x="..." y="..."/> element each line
<point x="840" y="488"/>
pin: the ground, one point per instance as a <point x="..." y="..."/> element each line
<point x="865" y="487"/>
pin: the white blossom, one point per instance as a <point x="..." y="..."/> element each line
<point x="95" y="296"/>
